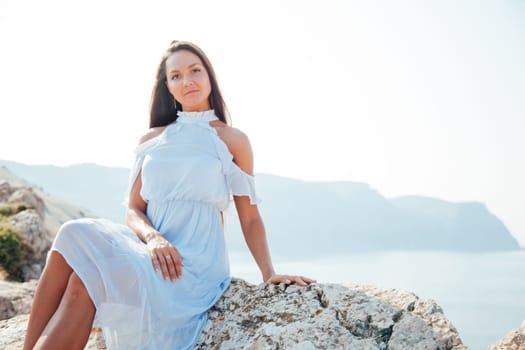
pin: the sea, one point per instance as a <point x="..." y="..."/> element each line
<point x="482" y="294"/>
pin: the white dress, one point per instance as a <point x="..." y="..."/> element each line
<point x="188" y="178"/>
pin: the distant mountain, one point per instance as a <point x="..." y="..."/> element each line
<point x="308" y="218"/>
<point x="466" y="226"/>
<point x="338" y="217"/>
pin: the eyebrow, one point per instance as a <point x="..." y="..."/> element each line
<point x="190" y="66"/>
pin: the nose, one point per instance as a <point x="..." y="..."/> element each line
<point x="188" y="80"/>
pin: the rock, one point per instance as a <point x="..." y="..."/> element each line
<point x="36" y="242"/>
<point x="514" y="340"/>
<point x="31" y="271"/>
<point x="25" y="195"/>
<point x="32" y="232"/>
<point x="13" y="332"/>
<point x="13" y="195"/>
<point x="325" y="316"/>
<point x="52" y="210"/>
<point x="6" y="190"/>
<point x="320" y="316"/>
<point x="424" y="309"/>
<point x="30" y="227"/>
<point x="16" y="298"/>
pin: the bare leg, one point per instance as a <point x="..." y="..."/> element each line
<point x="71" y="324"/>
<point x="49" y="292"/>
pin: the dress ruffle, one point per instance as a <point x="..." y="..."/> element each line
<point x="239" y="182"/>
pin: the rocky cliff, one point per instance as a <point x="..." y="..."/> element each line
<point x="24" y="240"/>
<point x="514" y="340"/>
<point x="326" y="316"/>
<point x="29" y="219"/>
<point x="322" y="316"/>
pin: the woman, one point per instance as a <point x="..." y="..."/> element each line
<point x="149" y="284"/>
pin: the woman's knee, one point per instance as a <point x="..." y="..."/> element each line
<point x="75" y="226"/>
<point x="75" y="231"/>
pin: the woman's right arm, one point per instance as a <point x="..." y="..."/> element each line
<point x="136" y="217"/>
<point x="163" y="254"/>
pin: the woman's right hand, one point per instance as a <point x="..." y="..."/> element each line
<point x="165" y="256"/>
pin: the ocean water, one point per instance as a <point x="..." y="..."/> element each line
<point x="482" y="294"/>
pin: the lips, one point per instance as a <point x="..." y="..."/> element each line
<point x="190" y="92"/>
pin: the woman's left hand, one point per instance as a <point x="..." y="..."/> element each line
<point x="290" y="279"/>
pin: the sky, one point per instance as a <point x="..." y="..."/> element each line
<point x="412" y="97"/>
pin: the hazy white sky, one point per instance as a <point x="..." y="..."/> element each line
<point x="412" y="97"/>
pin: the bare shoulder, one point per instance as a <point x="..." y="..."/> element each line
<point x="238" y="144"/>
<point x="234" y="138"/>
<point x="152" y="133"/>
<point x="231" y="135"/>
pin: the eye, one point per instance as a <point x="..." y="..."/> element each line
<point x="196" y="70"/>
<point x="175" y="76"/>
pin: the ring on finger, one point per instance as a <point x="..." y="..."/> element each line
<point x="167" y="256"/>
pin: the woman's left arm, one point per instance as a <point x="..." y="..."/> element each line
<point x="251" y="222"/>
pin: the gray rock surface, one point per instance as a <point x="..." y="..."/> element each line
<point x="29" y="224"/>
<point x="25" y="195"/>
<point x="423" y="309"/>
<point x="322" y="316"/>
<point x="36" y="241"/>
<point x="514" y="340"/>
<point x="326" y="316"/>
<point x="36" y="225"/>
<point x="13" y="330"/>
<point x="32" y="232"/>
<point x="16" y="298"/>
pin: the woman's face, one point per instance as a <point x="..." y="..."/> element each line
<point x="188" y="81"/>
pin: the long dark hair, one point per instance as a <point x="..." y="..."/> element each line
<point x="163" y="107"/>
